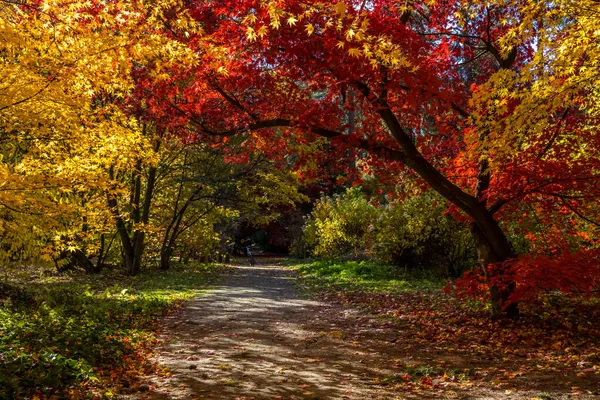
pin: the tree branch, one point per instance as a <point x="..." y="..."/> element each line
<point x="579" y="214"/>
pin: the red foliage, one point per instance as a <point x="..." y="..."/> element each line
<point x="286" y="92"/>
<point x="572" y="273"/>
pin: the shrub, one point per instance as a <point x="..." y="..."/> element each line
<point x="341" y="225"/>
<point x="414" y="233"/>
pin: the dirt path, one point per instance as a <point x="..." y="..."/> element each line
<point x="255" y="338"/>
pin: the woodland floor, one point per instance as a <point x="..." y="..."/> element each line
<point x="257" y="337"/>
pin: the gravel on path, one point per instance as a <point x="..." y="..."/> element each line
<point x="254" y="337"/>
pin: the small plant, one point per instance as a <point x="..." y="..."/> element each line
<point x="57" y="336"/>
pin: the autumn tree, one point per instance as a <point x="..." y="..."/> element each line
<point x="197" y="195"/>
<point x="491" y="103"/>
<point x="458" y="92"/>
<point x="52" y="138"/>
<point x="66" y="69"/>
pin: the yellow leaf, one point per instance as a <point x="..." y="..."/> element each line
<point x="262" y="31"/>
<point x="354" y="52"/>
<point x="340" y="8"/>
<point x="310" y="29"/>
<point x="250" y="34"/>
<point x="349" y="34"/>
<point x="250" y="18"/>
<point x="292" y="21"/>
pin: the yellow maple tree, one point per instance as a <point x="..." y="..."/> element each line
<point x="64" y="67"/>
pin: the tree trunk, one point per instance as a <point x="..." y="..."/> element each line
<point x="493" y="247"/>
<point x="84" y="262"/>
<point x="139" y="236"/>
<point x="492" y="244"/>
<point x="165" y="257"/>
<point x="171" y="234"/>
<point x="138" y="249"/>
<point x="133" y="247"/>
<point x="74" y="259"/>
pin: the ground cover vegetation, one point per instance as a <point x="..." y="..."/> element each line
<point x="135" y="135"/>
<point x="85" y="336"/>
<point x="453" y="346"/>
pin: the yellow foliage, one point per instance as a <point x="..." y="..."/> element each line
<point x="63" y="68"/>
<point x="561" y="78"/>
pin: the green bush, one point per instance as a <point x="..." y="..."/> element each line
<point x="341" y="225"/>
<point x="413" y="234"/>
<point x="416" y="233"/>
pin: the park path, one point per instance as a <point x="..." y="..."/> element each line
<point x="255" y="338"/>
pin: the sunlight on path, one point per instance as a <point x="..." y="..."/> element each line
<point x="254" y="338"/>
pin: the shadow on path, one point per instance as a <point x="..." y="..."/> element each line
<point x="255" y="338"/>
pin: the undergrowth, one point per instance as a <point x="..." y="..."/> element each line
<point x="555" y="333"/>
<point x="364" y="275"/>
<point x="85" y="336"/>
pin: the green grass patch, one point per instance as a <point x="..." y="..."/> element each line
<point x="72" y="336"/>
<point x="363" y="276"/>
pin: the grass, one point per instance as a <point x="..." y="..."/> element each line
<point x="363" y="276"/>
<point x="85" y="336"/>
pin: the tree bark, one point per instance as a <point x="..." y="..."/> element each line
<point x="126" y="245"/>
<point x="494" y="248"/>
<point x="165" y="257"/>
<point x="133" y="245"/>
<point x="139" y="235"/>
<point x="75" y="259"/>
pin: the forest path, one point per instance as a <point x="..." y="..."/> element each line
<point x="255" y="338"/>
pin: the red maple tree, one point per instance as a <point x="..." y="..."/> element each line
<point x="397" y="85"/>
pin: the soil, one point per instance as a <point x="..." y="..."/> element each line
<point x="258" y="337"/>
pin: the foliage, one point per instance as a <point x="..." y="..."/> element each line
<point x="417" y="232"/>
<point x="490" y="103"/>
<point x="66" y="68"/>
<point x="367" y="275"/>
<point x="341" y="224"/>
<point x="461" y="93"/>
<point x="68" y="336"/>
<point x="411" y="233"/>
<point x="204" y="193"/>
